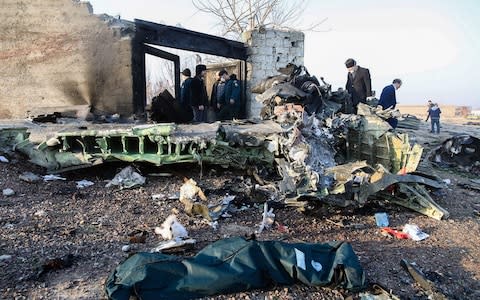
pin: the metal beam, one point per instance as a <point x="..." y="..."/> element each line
<point x="180" y="38"/>
<point x="168" y="56"/>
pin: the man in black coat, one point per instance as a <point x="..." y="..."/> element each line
<point x="198" y="95"/>
<point x="218" y="91"/>
<point x="359" y="84"/>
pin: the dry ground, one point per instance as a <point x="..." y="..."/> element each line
<point x="46" y="220"/>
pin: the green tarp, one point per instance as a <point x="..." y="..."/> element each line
<point x="234" y="265"/>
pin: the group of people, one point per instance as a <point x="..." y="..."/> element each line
<point x="359" y="86"/>
<point x="225" y="99"/>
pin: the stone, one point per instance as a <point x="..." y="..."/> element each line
<point x="29" y="177"/>
<point x="5" y="257"/>
<point x="40" y="213"/>
<point x="8" y="192"/>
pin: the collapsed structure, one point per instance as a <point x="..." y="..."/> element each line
<point x="319" y="152"/>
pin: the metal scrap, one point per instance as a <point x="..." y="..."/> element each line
<point x="461" y="151"/>
<point x="189" y="192"/>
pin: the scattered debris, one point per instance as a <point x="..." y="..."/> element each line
<point x="5" y="257"/>
<point x="40" y="213"/>
<point x="414" y="232"/>
<point x="421" y="279"/>
<point x="127" y="178"/>
<point x="137" y="237"/>
<point x="51" y="177"/>
<point x="3" y="159"/>
<point x="461" y="151"/>
<point x="222" y="209"/>
<point x="126" y="248"/>
<point x="29" y="177"/>
<point x="189" y="194"/>
<point x="55" y="264"/>
<point x="156" y="197"/>
<point x="407" y="121"/>
<point x="175" y="245"/>
<point x="84" y="183"/>
<point x="381" y="219"/>
<point x="395" y="233"/>
<point x="8" y="192"/>
<point x="171" y="229"/>
<point x="377" y="293"/>
<point x="234" y="265"/>
<point x="268" y="218"/>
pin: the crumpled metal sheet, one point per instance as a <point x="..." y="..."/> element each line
<point x="462" y="151"/>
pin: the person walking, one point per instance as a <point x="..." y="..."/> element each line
<point x="434" y="115"/>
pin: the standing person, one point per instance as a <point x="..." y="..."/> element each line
<point x="199" y="98"/>
<point x="434" y="115"/>
<point x="359" y="83"/>
<point x="388" y="99"/>
<point x="218" y="92"/>
<point x="231" y="107"/>
<point x="185" y="95"/>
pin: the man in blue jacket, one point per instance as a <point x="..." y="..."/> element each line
<point x="388" y="99"/>
<point x="231" y="107"/>
<point x="434" y="115"/>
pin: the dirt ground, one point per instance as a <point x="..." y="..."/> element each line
<point x="47" y="220"/>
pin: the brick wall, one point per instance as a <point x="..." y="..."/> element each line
<point x="269" y="50"/>
<point x="56" y="53"/>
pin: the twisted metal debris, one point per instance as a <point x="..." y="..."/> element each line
<point x="307" y="136"/>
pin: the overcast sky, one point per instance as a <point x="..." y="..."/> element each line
<point x="432" y="45"/>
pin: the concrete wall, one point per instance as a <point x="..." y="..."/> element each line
<point x="268" y="51"/>
<point x="56" y="53"/>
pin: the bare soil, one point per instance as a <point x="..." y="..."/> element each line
<point x="47" y="220"/>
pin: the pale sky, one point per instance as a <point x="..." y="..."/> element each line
<point x="432" y="45"/>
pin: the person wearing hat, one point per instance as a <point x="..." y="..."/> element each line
<point x="359" y="84"/>
<point x="184" y="101"/>
<point x="218" y="91"/>
<point x="198" y="92"/>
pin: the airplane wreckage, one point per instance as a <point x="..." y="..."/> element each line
<point x="307" y="138"/>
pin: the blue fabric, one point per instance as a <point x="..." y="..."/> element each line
<point x="435" y="123"/>
<point x="387" y="98"/>
<point x="393" y="122"/>
<point x="434" y="113"/>
<point x="233" y="91"/>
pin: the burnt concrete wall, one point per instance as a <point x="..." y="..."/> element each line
<point x="268" y="51"/>
<point x="56" y="53"/>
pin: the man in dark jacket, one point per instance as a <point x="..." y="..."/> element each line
<point x="218" y="91"/>
<point x="232" y="106"/>
<point x="359" y="84"/>
<point x="185" y="95"/>
<point x="388" y="99"/>
<point x="198" y="92"/>
<point x="434" y="115"/>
